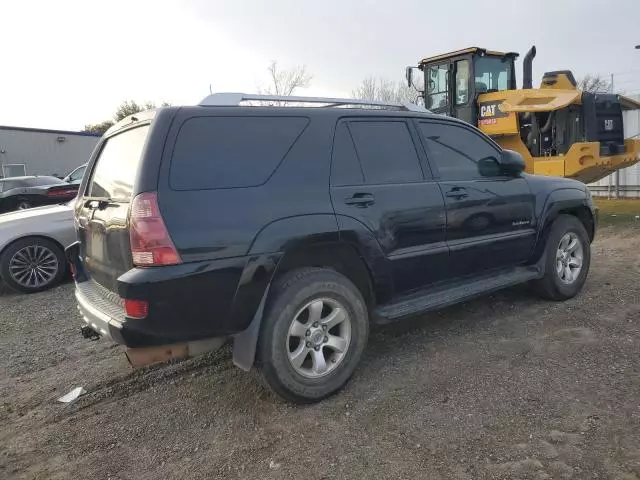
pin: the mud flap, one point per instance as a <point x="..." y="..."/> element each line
<point x="246" y="342"/>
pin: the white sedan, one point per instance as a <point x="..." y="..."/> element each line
<point x="32" y="244"/>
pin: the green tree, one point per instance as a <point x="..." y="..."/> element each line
<point x="126" y="108"/>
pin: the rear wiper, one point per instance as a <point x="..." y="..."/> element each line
<point x="99" y="204"/>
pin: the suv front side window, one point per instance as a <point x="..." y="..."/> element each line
<point x="459" y="153"/>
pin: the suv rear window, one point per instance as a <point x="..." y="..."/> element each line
<point x="231" y="152"/>
<point x="116" y="167"/>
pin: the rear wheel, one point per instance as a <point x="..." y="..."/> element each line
<point x="32" y="264"/>
<point x="23" y="204"/>
<point x="313" y="334"/>
<point x="567" y="259"/>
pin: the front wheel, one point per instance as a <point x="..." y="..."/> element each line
<point x="313" y="334"/>
<point x="567" y="259"/>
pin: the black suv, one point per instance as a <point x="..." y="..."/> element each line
<point x="291" y="229"/>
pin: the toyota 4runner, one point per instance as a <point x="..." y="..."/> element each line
<point x="292" y="229"/>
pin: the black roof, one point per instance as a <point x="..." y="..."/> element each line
<point x="45" y="130"/>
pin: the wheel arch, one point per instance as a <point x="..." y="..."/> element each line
<point x="564" y="202"/>
<point x="35" y="235"/>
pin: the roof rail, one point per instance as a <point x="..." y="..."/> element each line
<point x="235" y="99"/>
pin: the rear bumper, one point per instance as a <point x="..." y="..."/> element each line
<point x="187" y="302"/>
<point x="100" y="321"/>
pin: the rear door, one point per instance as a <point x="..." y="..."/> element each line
<point x="489" y="214"/>
<point x="103" y="209"/>
<point x="377" y="179"/>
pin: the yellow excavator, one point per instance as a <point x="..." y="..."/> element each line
<point x="558" y="129"/>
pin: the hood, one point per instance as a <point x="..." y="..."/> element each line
<point x="34" y="212"/>
<point x="554" y="183"/>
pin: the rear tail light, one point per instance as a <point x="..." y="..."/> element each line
<point x="137" y="309"/>
<point x="151" y="244"/>
<point x="64" y="192"/>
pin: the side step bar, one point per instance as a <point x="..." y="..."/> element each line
<point x="441" y="296"/>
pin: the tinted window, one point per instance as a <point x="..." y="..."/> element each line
<point x="386" y="152"/>
<point x="228" y="152"/>
<point x="345" y="169"/>
<point x="117" y="165"/>
<point x="459" y="153"/>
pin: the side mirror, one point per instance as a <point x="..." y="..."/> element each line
<point x="411" y="81"/>
<point x="511" y="163"/>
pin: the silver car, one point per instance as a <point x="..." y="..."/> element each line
<point x="32" y="244"/>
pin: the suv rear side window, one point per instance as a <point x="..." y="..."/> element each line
<point x="115" y="171"/>
<point x="345" y="168"/>
<point x="456" y="151"/>
<point x="231" y="152"/>
<point x="386" y="152"/>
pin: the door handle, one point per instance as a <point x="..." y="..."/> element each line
<point x="361" y="200"/>
<point x="457" y="192"/>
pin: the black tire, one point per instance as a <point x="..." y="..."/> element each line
<point x="23" y="203"/>
<point x="551" y="286"/>
<point x="288" y="296"/>
<point x="18" y="245"/>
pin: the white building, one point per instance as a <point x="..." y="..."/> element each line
<point x="35" y="151"/>
<point x="629" y="178"/>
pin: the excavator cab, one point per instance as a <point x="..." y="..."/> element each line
<point x="452" y="82"/>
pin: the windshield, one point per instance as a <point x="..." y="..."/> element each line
<point x="492" y="73"/>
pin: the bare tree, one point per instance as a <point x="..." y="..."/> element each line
<point x="286" y="82"/>
<point x="595" y="84"/>
<point x="382" y="90"/>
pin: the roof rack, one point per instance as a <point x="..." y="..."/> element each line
<point x="235" y="99"/>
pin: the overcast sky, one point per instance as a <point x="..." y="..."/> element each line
<point x="66" y="63"/>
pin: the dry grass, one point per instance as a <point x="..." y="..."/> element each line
<point x="614" y="212"/>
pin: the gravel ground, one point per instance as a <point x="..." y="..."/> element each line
<point x="506" y="386"/>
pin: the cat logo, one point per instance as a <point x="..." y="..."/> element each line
<point x="492" y="110"/>
<point x="608" y="125"/>
<point x="488" y="111"/>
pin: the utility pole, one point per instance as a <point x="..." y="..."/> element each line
<point x="612" y="83"/>
<point x="617" y="174"/>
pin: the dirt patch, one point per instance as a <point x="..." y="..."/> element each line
<point x="507" y="386"/>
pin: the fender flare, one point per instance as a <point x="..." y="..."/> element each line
<point x="303" y="230"/>
<point x="556" y="201"/>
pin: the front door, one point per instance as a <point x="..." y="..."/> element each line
<point x="438" y="81"/>
<point x="489" y="214"/>
<point x="377" y="180"/>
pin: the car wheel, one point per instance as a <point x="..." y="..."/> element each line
<point x="313" y="334"/>
<point x="567" y="259"/>
<point x="32" y="264"/>
<point x="23" y="204"/>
